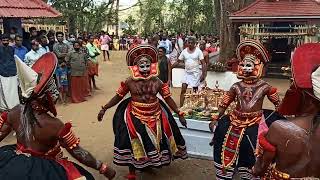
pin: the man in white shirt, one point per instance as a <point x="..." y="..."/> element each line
<point x="166" y="43"/>
<point x="43" y="47"/>
<point x="33" y="55"/>
<point x="195" y="68"/>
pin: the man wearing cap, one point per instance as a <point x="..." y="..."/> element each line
<point x="235" y="136"/>
<point x="8" y="80"/>
<point x="290" y="148"/>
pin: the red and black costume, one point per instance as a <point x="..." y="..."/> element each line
<point x="235" y="137"/>
<point x="23" y="163"/>
<point x="146" y="134"/>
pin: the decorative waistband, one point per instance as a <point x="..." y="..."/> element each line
<point x="146" y="112"/>
<point x="145" y="105"/>
<point x="54" y="153"/>
<point x="245" y="119"/>
<point x="247" y="115"/>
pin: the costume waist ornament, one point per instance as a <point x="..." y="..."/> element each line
<point x="146" y="112"/>
<point x="239" y="122"/>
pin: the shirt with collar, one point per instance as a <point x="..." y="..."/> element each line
<point x="32" y="56"/>
<point x="43" y="49"/>
<point x="20" y="51"/>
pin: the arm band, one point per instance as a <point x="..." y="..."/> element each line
<point x="226" y="100"/>
<point x="165" y="91"/>
<point x="68" y="138"/>
<point x="265" y="145"/>
<point x="123" y="90"/>
<point x="274" y="97"/>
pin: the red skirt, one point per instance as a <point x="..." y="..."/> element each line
<point x="78" y="88"/>
<point x="93" y="68"/>
<point x="86" y="84"/>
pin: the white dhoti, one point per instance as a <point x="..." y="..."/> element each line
<point x="9" y="96"/>
<point x="192" y="79"/>
<point x="105" y="47"/>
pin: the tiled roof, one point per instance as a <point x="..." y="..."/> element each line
<point x="26" y="9"/>
<point x="264" y="9"/>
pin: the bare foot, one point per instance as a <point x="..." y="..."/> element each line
<point x="96" y="88"/>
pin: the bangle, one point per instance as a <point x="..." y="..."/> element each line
<point x="103" y="169"/>
<point x="181" y="113"/>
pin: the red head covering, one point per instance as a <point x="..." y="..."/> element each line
<point x="45" y="67"/>
<point x="304" y="62"/>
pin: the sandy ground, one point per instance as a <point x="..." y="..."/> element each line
<point x="98" y="137"/>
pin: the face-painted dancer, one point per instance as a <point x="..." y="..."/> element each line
<point x="40" y="135"/>
<point x="146" y="134"/>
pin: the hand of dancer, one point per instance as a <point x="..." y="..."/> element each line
<point x="110" y="174"/>
<point x="182" y="119"/>
<point x="212" y="125"/>
<point x="214" y="120"/>
<point x="107" y="171"/>
<point x="101" y="114"/>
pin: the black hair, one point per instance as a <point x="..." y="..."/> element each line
<point x="32" y="29"/>
<point x="76" y="42"/>
<point x="18" y="36"/>
<point x="163" y="49"/>
<point x="59" y="33"/>
<point x="5" y="36"/>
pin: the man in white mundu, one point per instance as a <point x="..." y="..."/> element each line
<point x="195" y="67"/>
<point x="9" y="96"/>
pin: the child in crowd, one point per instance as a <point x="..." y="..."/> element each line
<point x="62" y="75"/>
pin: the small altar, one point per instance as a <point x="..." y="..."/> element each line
<point x="198" y="108"/>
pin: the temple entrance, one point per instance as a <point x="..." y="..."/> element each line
<point x="281" y="51"/>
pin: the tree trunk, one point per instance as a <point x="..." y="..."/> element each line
<point x="117" y="18"/>
<point x="228" y="30"/>
<point x="72" y="25"/>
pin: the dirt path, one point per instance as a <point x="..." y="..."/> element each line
<point x="98" y="137"/>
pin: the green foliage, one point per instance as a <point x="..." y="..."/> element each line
<point x="131" y="23"/>
<point x="85" y="15"/>
<point x="177" y="16"/>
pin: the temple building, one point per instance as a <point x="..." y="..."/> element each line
<point x="13" y="11"/>
<point x="281" y="25"/>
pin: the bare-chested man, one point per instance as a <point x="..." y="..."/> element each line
<point x="146" y="134"/>
<point x="290" y="149"/>
<point x="40" y="135"/>
<point x="235" y="136"/>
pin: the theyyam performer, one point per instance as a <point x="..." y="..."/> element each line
<point x="290" y="149"/>
<point x="146" y="134"/>
<point x="235" y="136"/>
<point x="40" y="135"/>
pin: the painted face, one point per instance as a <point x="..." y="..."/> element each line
<point x="144" y="65"/>
<point x="247" y="67"/>
<point x="250" y="68"/>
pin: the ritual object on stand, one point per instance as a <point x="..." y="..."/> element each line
<point x="203" y="104"/>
